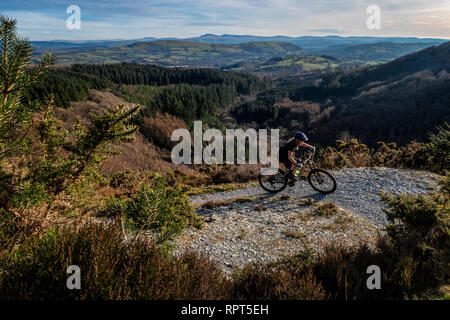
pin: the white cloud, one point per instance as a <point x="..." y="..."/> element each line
<point x="177" y="18"/>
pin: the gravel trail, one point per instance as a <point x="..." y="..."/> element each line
<point x="264" y="227"/>
<point x="357" y="190"/>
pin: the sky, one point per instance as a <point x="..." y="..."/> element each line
<point x="124" y="19"/>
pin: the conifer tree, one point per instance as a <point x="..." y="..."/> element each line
<point x="15" y="76"/>
<point x="56" y="159"/>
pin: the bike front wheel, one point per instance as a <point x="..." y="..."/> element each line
<point x="273" y="183"/>
<point x="322" y="181"/>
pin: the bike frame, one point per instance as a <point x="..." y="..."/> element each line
<point x="308" y="162"/>
<point x="315" y="176"/>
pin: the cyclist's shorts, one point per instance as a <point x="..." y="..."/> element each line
<point x="284" y="160"/>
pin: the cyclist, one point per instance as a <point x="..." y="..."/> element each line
<point x="286" y="154"/>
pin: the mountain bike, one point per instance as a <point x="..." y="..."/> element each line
<point x="319" y="179"/>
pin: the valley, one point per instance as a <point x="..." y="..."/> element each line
<point x="243" y="53"/>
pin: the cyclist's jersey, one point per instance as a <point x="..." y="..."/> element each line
<point x="291" y="145"/>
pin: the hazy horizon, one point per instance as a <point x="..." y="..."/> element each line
<point x="238" y="35"/>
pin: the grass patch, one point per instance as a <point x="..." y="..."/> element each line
<point x="242" y="234"/>
<point x="214" y="204"/>
<point x="344" y="219"/>
<point x="307" y="202"/>
<point x="283" y="197"/>
<point x="215" y="188"/>
<point x="260" y="208"/>
<point x="330" y="227"/>
<point x="294" y="234"/>
<point x="326" y="210"/>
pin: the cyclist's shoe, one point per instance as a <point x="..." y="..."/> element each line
<point x="291" y="180"/>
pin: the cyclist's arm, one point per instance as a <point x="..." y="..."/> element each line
<point x="307" y="145"/>
<point x="291" y="157"/>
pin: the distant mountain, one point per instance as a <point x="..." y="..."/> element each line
<point x="238" y="39"/>
<point x="433" y="58"/>
<point x="308" y="42"/>
<point x="329" y="58"/>
<point x="181" y="53"/>
<point x="370" y="53"/>
<point x="58" y="45"/>
<point x="350" y="51"/>
<point x="399" y="101"/>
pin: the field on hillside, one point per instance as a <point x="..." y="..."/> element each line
<point x="180" y="53"/>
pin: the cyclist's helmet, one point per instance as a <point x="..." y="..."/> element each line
<point x="300" y="135"/>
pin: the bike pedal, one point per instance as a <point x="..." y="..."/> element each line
<point x="291" y="183"/>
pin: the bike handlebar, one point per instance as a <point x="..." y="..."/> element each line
<point x="311" y="156"/>
<point x="313" y="153"/>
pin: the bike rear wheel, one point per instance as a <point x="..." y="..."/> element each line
<point x="322" y="181"/>
<point x="273" y="183"/>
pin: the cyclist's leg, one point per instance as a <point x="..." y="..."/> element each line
<point x="288" y="172"/>
<point x="281" y="161"/>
